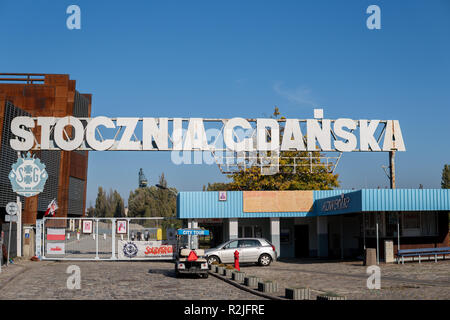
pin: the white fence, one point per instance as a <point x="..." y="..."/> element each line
<point x="106" y="238"/>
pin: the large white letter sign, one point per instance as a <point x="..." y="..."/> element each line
<point x="195" y="135"/>
<point x="228" y="132"/>
<point x="350" y="145"/>
<point x="263" y="145"/>
<point x="366" y="133"/>
<point x="151" y="131"/>
<point x="77" y="133"/>
<point x="393" y="139"/>
<point x="90" y="133"/>
<point x="292" y="130"/>
<point x="130" y="125"/>
<point x="323" y="135"/>
<point x="28" y="136"/>
<point x="239" y="134"/>
<point x="177" y="134"/>
<point x="45" y="123"/>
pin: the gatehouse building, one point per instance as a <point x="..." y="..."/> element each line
<point x="324" y="224"/>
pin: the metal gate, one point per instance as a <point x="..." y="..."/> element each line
<point x="107" y="238"/>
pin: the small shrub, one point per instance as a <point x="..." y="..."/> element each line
<point x="221" y="265"/>
<point x="215" y="263"/>
<point x="229" y="267"/>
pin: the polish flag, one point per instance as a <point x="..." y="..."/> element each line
<point x="56" y="234"/>
<point x="52" y="207"/>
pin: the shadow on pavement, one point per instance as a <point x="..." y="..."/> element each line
<point x="167" y="273"/>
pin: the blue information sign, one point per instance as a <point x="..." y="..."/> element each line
<point x="191" y="232"/>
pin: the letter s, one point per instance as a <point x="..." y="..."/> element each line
<point x="16" y="128"/>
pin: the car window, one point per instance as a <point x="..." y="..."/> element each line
<point x="231" y="245"/>
<point x="248" y="243"/>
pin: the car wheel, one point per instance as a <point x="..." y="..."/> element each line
<point x="265" y="260"/>
<point x="211" y="259"/>
<point x="205" y="275"/>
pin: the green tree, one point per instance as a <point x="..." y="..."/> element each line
<point x="309" y="173"/>
<point x="108" y="204"/>
<point x="119" y="208"/>
<point x="90" y="211"/>
<point x="152" y="201"/>
<point x="445" y="181"/>
<point x="218" y="186"/>
<point x="101" y="204"/>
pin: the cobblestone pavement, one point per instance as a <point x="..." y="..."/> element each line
<point x="427" y="280"/>
<point x="111" y="280"/>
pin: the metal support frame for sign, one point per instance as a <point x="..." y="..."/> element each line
<point x="232" y="161"/>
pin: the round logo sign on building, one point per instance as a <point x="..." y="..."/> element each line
<point x="28" y="176"/>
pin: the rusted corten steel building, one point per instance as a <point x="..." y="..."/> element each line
<point x="53" y="95"/>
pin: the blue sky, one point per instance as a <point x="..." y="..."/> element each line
<point x="240" y="58"/>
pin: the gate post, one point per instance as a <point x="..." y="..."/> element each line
<point x="44" y="249"/>
<point x="128" y="229"/>
<point x="96" y="239"/>
<point x="113" y="237"/>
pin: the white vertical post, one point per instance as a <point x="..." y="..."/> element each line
<point x="19" y="222"/>
<point x="19" y="228"/>
<point x="128" y="229"/>
<point x="43" y="238"/>
<point x="38" y="244"/>
<point x="113" y="239"/>
<point x="9" y="242"/>
<point x="96" y="239"/>
<point x="232" y="228"/>
<point x="275" y="234"/>
<point x="194" y="224"/>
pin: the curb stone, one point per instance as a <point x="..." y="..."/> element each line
<point x="245" y="288"/>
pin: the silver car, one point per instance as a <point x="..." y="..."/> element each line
<point x="250" y="250"/>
